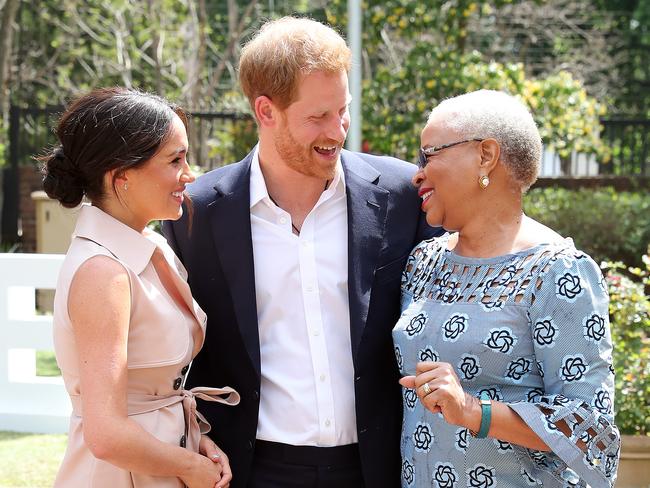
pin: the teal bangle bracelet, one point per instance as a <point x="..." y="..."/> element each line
<point x="486" y="416"/>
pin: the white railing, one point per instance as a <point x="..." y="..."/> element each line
<point x="28" y="403"/>
<point x="581" y="165"/>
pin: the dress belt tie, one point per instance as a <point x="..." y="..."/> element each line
<point x="195" y="422"/>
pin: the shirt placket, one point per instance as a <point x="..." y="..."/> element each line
<point x="315" y="332"/>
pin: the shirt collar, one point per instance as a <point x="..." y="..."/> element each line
<point x="259" y="192"/>
<point x="126" y="244"/>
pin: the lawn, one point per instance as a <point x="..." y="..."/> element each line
<point x="46" y="364"/>
<point x="29" y="460"/>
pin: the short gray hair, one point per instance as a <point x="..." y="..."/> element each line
<point x="493" y="114"/>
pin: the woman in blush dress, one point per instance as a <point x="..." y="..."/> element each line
<point x="125" y="325"/>
<point x="504" y="339"/>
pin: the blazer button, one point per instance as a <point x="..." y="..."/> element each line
<point x="177" y="383"/>
<point x="183" y="442"/>
<point x="185" y="369"/>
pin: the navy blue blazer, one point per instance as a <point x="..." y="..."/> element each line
<point x="384" y="224"/>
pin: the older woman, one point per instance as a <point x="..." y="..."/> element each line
<point x="504" y="338"/>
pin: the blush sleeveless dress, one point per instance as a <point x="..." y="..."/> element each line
<point x="164" y="336"/>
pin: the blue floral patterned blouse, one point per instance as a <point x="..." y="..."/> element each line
<point x="532" y="330"/>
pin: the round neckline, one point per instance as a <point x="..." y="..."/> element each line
<point x="453" y="256"/>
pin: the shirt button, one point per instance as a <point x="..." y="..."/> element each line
<point x="177" y="383"/>
<point x="283" y="220"/>
<point x="328" y="423"/>
<point x="322" y="377"/>
<point x="315" y="332"/>
<point x="305" y="243"/>
<point x="310" y="288"/>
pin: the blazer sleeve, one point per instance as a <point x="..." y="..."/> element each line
<point x="169" y="234"/>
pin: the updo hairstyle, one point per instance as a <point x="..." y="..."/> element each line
<point x="104" y="130"/>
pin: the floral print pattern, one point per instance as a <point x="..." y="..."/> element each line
<point x="529" y="329"/>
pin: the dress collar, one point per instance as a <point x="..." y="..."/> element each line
<point x="126" y="244"/>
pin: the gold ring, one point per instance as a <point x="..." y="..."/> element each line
<point x="426" y="388"/>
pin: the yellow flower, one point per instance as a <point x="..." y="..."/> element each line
<point x="471" y="8"/>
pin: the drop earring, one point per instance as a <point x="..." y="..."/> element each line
<point x="483" y="181"/>
<point x="126" y="186"/>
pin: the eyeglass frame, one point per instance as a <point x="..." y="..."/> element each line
<point x="424" y="154"/>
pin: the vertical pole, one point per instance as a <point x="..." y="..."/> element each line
<point x="645" y="146"/>
<point x="354" y="40"/>
<point x="11" y="182"/>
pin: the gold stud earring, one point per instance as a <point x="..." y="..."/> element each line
<point x="483" y="181"/>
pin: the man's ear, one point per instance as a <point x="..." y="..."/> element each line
<point x="490" y="152"/>
<point x="265" y="111"/>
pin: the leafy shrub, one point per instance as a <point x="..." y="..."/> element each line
<point x="416" y="54"/>
<point x="608" y="225"/>
<point x="396" y="102"/>
<point x="629" y="311"/>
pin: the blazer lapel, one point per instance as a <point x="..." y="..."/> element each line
<point x="231" y="230"/>
<point x="367" y="208"/>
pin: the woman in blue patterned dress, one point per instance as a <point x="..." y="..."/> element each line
<point x="504" y="341"/>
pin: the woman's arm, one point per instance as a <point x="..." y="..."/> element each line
<point x="572" y="414"/>
<point x="460" y="408"/>
<point x="99" y="306"/>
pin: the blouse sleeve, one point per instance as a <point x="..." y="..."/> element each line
<point x="569" y="322"/>
<point x="421" y="263"/>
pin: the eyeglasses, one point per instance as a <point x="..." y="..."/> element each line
<point x="423" y="157"/>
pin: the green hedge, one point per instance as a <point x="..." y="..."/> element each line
<point x="606" y="224"/>
<point x="629" y="314"/>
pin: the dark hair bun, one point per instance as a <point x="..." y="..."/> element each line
<point x="62" y="179"/>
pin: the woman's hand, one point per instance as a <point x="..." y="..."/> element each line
<point x="446" y="394"/>
<point x="460" y="408"/>
<point x="203" y="473"/>
<point x="209" y="449"/>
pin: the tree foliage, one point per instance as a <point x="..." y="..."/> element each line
<point x="186" y="50"/>
<point x="417" y="54"/>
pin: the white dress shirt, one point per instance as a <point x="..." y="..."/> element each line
<point x="301" y="288"/>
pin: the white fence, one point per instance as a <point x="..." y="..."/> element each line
<point x="581" y="165"/>
<point x="28" y="403"/>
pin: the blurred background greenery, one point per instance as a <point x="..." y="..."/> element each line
<point x="571" y="61"/>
